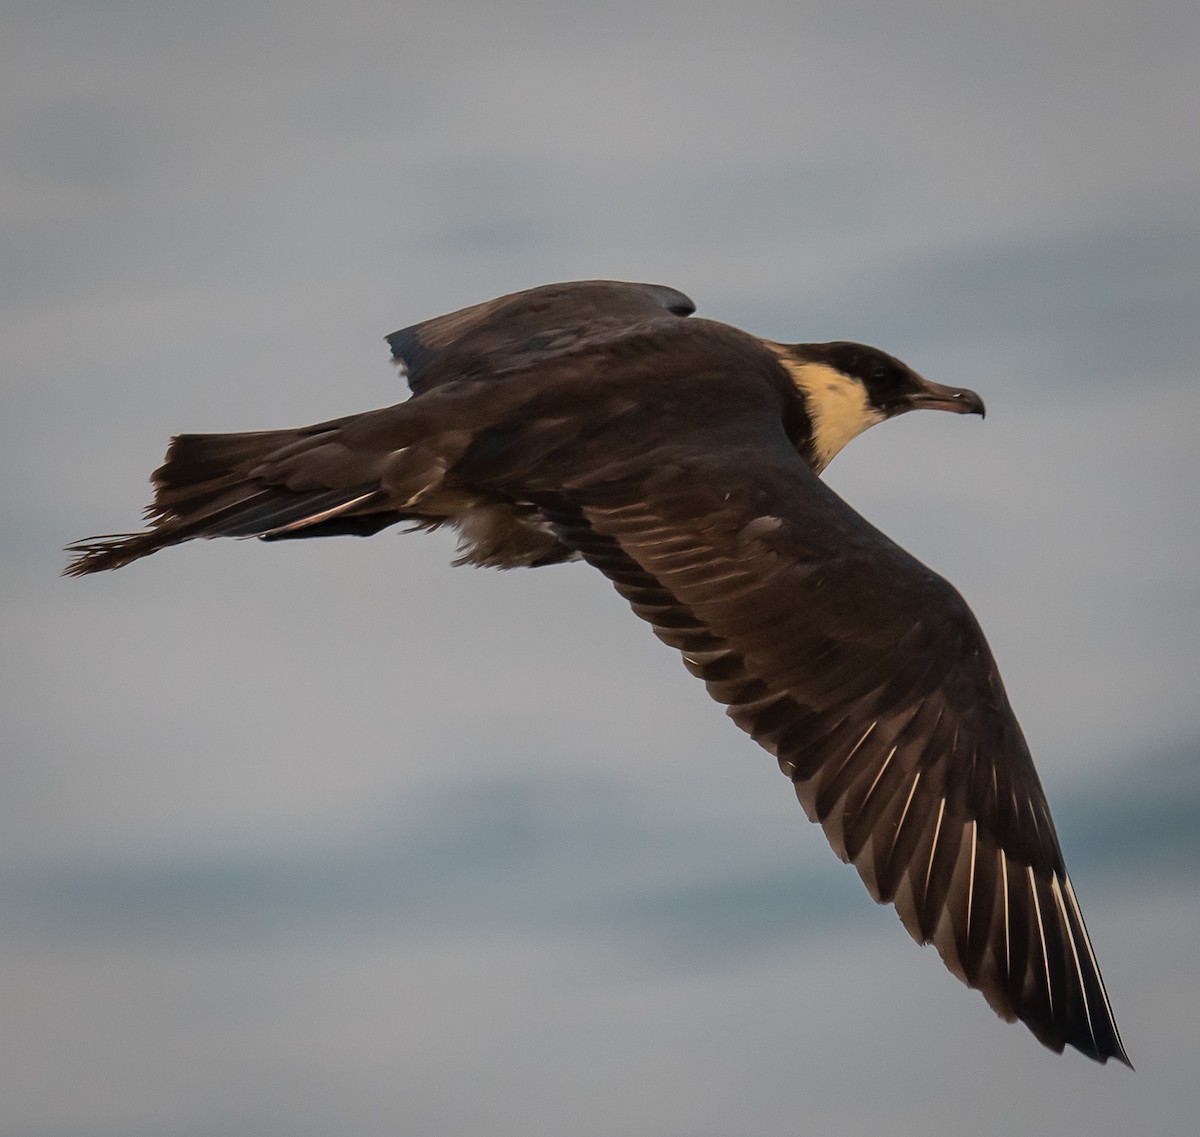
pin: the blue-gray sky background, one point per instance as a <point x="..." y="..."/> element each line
<point x="327" y="837"/>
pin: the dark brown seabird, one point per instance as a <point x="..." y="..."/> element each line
<point x="681" y="458"/>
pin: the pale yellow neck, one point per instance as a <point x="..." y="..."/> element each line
<point x="837" y="404"/>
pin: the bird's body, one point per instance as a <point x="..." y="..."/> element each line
<point x="680" y="458"/>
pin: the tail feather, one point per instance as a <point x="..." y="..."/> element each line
<point x="97" y="554"/>
<point x="206" y="487"/>
<point x="196" y="458"/>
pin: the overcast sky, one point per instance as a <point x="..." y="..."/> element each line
<point x="328" y="837"/>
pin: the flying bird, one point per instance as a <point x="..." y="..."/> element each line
<point x="681" y="457"/>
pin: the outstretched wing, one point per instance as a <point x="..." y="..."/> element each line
<point x="526" y="328"/>
<point x="868" y="677"/>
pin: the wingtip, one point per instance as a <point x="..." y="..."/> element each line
<point x="675" y="302"/>
<point x="1115" y="1051"/>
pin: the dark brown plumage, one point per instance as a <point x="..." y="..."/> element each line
<point x="680" y="458"/>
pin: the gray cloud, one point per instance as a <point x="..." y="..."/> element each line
<point x="1103" y="305"/>
<point x="571" y="856"/>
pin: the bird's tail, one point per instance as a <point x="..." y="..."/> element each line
<point x="225" y="485"/>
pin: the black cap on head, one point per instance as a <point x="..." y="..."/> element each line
<point x="891" y="385"/>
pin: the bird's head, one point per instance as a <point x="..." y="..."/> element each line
<point x="848" y="387"/>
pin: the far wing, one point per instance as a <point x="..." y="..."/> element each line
<point x="528" y="327"/>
